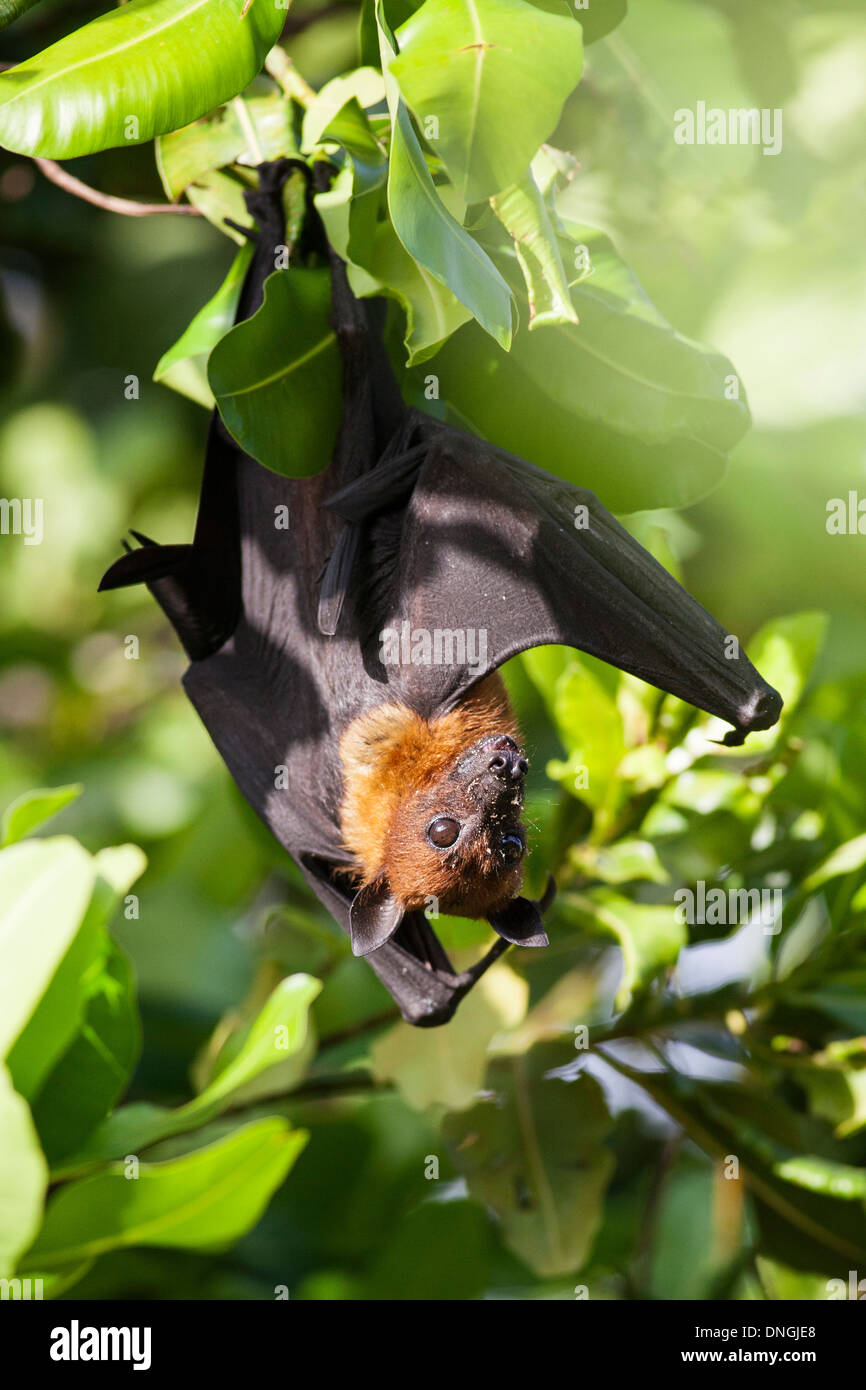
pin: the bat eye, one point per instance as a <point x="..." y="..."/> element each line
<point x="511" y="847"/>
<point x="443" y="831"/>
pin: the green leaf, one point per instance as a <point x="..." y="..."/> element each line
<point x="491" y="394"/>
<point x="599" y="17"/>
<point x="350" y="207"/>
<point x="624" y="369"/>
<point x="220" y="198"/>
<point x="184" y="366"/>
<point x="33" y="809"/>
<point x="649" y="935"/>
<point x="45" y="888"/>
<point x="494" y="75"/>
<point x="522" y="211"/>
<point x="224" y="137"/>
<point x="534" y="1152"/>
<point x="280" y="1034"/>
<point x="95" y="1069"/>
<point x="822" y="1175"/>
<point x="59" y="1017"/>
<point x="623" y="862"/>
<point x="845" y="859"/>
<point x="276" y="376"/>
<point x="590" y="725"/>
<point x="432" y="312"/>
<point x="446" y="1067"/>
<point x="203" y="1201"/>
<point x="359" y="89"/>
<point x="23" y="1176"/>
<point x="433" y="238"/>
<point x="134" y="73"/>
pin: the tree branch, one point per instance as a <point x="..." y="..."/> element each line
<point x="127" y="206"/>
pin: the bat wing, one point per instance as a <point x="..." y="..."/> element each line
<point x="497" y="556"/>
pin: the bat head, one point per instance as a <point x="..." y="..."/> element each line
<point x="433" y="814"/>
<point x="458" y="838"/>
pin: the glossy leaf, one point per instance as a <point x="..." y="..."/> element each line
<point x="276" y="376"/>
<point x="433" y="238"/>
<point x="631" y="410"/>
<point x="33" y="809"/>
<point x="648" y="934"/>
<point x="493" y="75"/>
<point x="202" y="1201"/>
<point x="134" y="73"/>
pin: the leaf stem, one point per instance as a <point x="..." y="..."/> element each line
<point x="283" y="71"/>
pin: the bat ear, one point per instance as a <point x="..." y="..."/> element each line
<point x="520" y="923"/>
<point x="374" y="917"/>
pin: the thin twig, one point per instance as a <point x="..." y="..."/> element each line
<point x="129" y="208"/>
<point x="281" y="68"/>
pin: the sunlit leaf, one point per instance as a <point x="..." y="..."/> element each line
<point x="223" y="137"/>
<point x="133" y="73"/>
<point x="522" y="212"/>
<point x="23" y="1176"/>
<point x="433" y="238"/>
<point x="203" y="1201"/>
<point x="33" y="809"/>
<point x="45" y="887"/>
<point x="463" y="63"/>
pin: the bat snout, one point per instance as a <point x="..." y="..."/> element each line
<point x="504" y="759"/>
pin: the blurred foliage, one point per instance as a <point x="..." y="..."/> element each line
<point x="649" y="1108"/>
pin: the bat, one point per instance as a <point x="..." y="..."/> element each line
<point x="347" y="669"/>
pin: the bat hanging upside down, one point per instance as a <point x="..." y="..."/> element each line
<point x="397" y="785"/>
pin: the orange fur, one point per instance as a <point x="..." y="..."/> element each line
<point x="395" y="766"/>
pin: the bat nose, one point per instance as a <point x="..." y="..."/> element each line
<point x="506" y="760"/>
